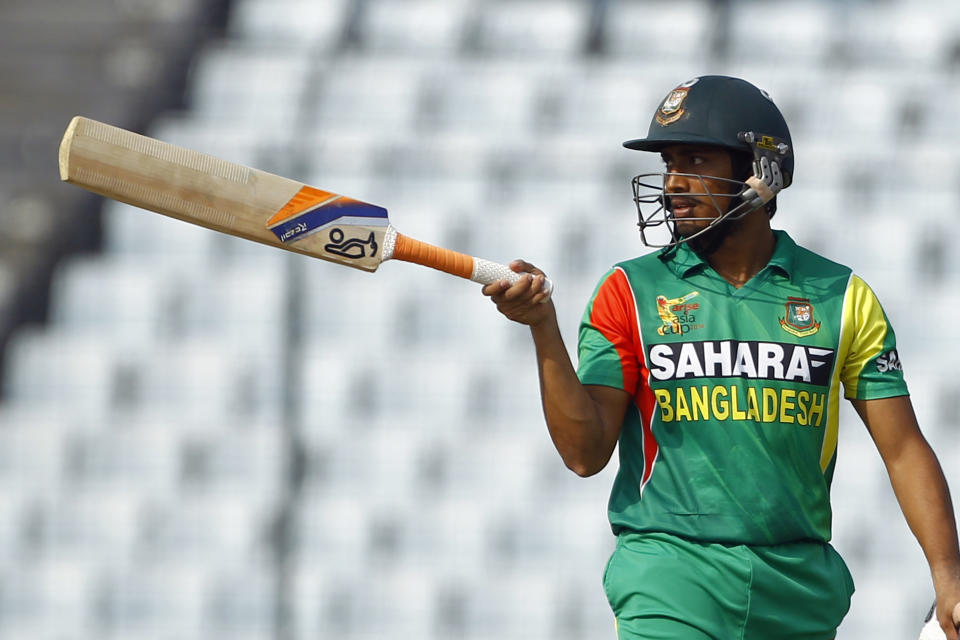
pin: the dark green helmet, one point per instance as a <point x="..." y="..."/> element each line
<point x="724" y="112"/>
<point x="716" y="110"/>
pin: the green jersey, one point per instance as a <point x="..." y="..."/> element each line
<point x="732" y="433"/>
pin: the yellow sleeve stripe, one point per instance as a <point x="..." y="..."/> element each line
<point x="832" y="431"/>
<point x="864" y="319"/>
<point x="863" y="332"/>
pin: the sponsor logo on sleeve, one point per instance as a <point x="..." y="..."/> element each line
<point x="889" y="361"/>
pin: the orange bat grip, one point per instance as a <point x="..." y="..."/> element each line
<point x="453" y="262"/>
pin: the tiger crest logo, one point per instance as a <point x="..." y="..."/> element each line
<point x="799" y="320"/>
<point x="672" y="108"/>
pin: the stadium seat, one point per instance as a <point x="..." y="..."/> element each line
<point x="241" y="602"/>
<point x="497" y="100"/>
<point x="154" y="601"/>
<point x="32" y="450"/>
<point x="248" y="461"/>
<point x="146" y="433"/>
<point x="784" y="30"/>
<point x="248" y="84"/>
<point x="661" y="31"/>
<point x="414" y="27"/>
<point x="302" y="25"/>
<point x="125" y="298"/>
<point x="538" y="29"/>
<point x="358" y="605"/>
<point x="48" y="599"/>
<point x="72" y="376"/>
<point x="209" y="530"/>
<point x="379" y="96"/>
<point x="141" y="458"/>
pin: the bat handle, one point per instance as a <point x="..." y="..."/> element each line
<point x="453" y="262"/>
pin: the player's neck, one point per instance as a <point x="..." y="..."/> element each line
<point x="745" y="251"/>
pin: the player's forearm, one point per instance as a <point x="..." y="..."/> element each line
<point x="924" y="497"/>
<point x="576" y="424"/>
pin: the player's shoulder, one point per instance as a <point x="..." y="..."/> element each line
<point x="809" y="264"/>
<point x="639" y="264"/>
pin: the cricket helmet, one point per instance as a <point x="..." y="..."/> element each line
<point x="724" y="112"/>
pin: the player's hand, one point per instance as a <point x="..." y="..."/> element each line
<point x="948" y="614"/>
<point x="525" y="301"/>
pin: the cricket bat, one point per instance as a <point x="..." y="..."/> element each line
<point x="241" y="201"/>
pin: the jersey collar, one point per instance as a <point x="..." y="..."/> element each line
<point x="683" y="261"/>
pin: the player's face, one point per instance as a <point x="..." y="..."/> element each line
<point x="702" y="175"/>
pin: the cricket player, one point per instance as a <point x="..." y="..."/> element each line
<point x="727" y="425"/>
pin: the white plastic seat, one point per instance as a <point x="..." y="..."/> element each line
<point x="211" y="530"/>
<point x="539" y="28"/>
<point x="135" y="234"/>
<point x="899" y="34"/>
<point x="71" y="375"/>
<point x="90" y="525"/>
<point x="335" y="603"/>
<point x="378" y="96"/>
<point x="290" y="24"/>
<point x="795" y="31"/>
<point x="241" y="602"/>
<point x="156" y="601"/>
<point x="143" y="458"/>
<point x="250" y="87"/>
<point x="497" y="100"/>
<point x="607" y="103"/>
<point x="671" y="31"/>
<point x="47" y="599"/>
<point x="32" y="460"/>
<point x="434" y="27"/>
<point x="241" y="308"/>
<point x="120" y="298"/>
<point x="331" y="532"/>
<point x="203" y="380"/>
<point x="248" y="461"/>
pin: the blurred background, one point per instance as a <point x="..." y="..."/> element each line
<point x="201" y="437"/>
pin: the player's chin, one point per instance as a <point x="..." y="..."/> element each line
<point x="687" y="228"/>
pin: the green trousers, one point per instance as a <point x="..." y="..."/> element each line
<point x="662" y="587"/>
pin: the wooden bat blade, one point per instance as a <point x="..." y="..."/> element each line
<point x="252" y="204"/>
<point x="224" y="196"/>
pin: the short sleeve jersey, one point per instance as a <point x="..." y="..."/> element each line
<point x="732" y="432"/>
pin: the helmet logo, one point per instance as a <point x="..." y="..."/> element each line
<point x="672" y="108"/>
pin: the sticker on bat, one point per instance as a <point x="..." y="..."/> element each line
<point x="351" y="247"/>
<point x="311" y="210"/>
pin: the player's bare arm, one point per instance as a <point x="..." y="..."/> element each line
<point x="584" y="420"/>
<point x="922" y="492"/>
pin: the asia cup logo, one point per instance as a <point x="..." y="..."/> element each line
<point x="799" y="319"/>
<point x="675" y="314"/>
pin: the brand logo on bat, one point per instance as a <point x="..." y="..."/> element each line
<point x="311" y="210"/>
<point x="294" y="231"/>
<point x="351" y="247"/>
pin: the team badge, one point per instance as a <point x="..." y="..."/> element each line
<point x="799" y="319"/>
<point x="672" y="108"/>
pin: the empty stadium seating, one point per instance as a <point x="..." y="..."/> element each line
<point x="211" y="438"/>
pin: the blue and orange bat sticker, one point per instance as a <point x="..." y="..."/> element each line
<point x="311" y="210"/>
